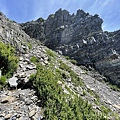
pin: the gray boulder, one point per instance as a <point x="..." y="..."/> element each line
<point x="13" y="82"/>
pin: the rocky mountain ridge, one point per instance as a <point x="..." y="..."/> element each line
<point x="22" y="103"/>
<point x="81" y="37"/>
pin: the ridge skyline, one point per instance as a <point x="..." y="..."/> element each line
<point x="24" y="11"/>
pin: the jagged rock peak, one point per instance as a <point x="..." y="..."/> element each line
<point x="81" y="13"/>
<point x="65" y="16"/>
<point x="60" y="11"/>
<point x="64" y="13"/>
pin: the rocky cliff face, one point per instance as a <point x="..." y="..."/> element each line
<point x="81" y="37"/>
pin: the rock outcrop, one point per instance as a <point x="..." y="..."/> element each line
<point x="81" y="37"/>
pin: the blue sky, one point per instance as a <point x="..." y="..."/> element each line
<point x="27" y="10"/>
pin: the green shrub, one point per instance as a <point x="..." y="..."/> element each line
<point x="73" y="61"/>
<point x="8" y="60"/>
<point x="50" y="53"/>
<point x="57" y="104"/>
<point x="3" y="80"/>
<point x="74" y="77"/>
<point x="67" y="57"/>
<point x="34" y="59"/>
<point x="29" y="45"/>
<point x="105" y="109"/>
<point x="113" y="87"/>
<point x="65" y="67"/>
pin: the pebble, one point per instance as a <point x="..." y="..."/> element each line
<point x="32" y="113"/>
<point x="7" y="116"/>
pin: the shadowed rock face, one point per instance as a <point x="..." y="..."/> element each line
<point x="81" y="37"/>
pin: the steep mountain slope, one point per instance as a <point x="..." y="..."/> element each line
<point x="62" y="88"/>
<point x="81" y="37"/>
